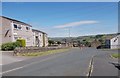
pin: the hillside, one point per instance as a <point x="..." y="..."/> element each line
<point x="87" y="40"/>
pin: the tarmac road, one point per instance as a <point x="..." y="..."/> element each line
<point x="75" y="62"/>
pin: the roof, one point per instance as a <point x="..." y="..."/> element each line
<point x="15" y="20"/>
<point x="111" y="37"/>
<point x="116" y="36"/>
<point x="38" y="31"/>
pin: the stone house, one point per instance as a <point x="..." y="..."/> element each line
<point x="39" y="38"/>
<point x="114" y="42"/>
<point x="95" y="43"/>
<point x="12" y="29"/>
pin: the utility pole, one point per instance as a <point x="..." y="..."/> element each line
<point x="69" y="32"/>
<point x="69" y="37"/>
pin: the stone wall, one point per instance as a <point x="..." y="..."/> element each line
<point x="35" y="49"/>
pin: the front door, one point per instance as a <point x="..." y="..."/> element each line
<point x="37" y="41"/>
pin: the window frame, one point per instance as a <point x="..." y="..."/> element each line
<point x="27" y="28"/>
<point x="20" y="27"/>
<point x="15" y="25"/>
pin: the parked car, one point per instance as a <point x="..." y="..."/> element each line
<point x="103" y="47"/>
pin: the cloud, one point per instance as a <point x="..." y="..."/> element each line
<point x="73" y="24"/>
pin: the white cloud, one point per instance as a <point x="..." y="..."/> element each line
<point x="73" y="24"/>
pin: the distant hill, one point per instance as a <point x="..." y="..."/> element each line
<point x="89" y="38"/>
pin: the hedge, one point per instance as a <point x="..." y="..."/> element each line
<point x="10" y="46"/>
<point x="22" y="42"/>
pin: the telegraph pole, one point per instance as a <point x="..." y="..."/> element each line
<point x="69" y="37"/>
<point x="69" y="32"/>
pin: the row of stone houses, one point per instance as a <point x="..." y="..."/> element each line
<point x="12" y="29"/>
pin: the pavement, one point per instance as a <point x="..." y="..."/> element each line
<point x="7" y="58"/>
<point x="75" y="62"/>
<point x="103" y="64"/>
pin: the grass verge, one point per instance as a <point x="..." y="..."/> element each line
<point x="43" y="53"/>
<point x="109" y="49"/>
<point x="116" y="55"/>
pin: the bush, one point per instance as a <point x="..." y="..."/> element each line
<point x="17" y="44"/>
<point x="51" y="42"/>
<point x="22" y="42"/>
<point x="10" y="46"/>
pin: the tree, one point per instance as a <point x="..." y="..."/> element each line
<point x="84" y="40"/>
<point x="102" y="41"/>
<point x="51" y="42"/>
<point x="98" y="36"/>
<point x="78" y="43"/>
<point x="58" y="42"/>
<point x="88" y="44"/>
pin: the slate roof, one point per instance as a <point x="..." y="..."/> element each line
<point x="16" y="20"/>
<point x="38" y="31"/>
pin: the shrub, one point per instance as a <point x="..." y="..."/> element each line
<point x="17" y="44"/>
<point x="51" y="42"/>
<point x="10" y="46"/>
<point x="22" y="42"/>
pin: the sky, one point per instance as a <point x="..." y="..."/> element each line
<point x="60" y="0"/>
<point x="59" y="19"/>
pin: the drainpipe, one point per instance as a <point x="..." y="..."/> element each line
<point x="12" y="35"/>
<point x="43" y="40"/>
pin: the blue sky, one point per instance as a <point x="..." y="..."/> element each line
<point x="56" y="18"/>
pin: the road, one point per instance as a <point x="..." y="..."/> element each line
<point x="75" y="62"/>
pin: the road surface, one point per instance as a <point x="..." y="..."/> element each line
<point x="75" y="62"/>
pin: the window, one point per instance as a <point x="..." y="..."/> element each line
<point x="19" y="27"/>
<point x="15" y="26"/>
<point x="27" y="28"/>
<point x="115" y="40"/>
<point x="28" y="39"/>
<point x="15" y="38"/>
